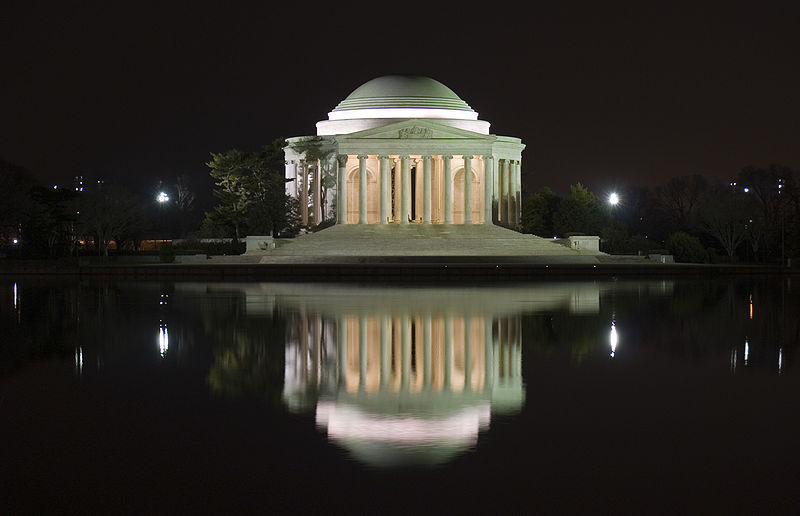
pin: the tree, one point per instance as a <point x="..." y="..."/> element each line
<point x="685" y="248"/>
<point x="724" y="216"/>
<point x="579" y="212"/>
<point x="251" y="188"/>
<point x="538" y="211"/>
<point x="107" y="213"/>
<point x="15" y="203"/>
<point x="680" y="198"/>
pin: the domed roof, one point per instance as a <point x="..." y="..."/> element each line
<point x="403" y="92"/>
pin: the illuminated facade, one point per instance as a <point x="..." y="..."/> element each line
<point x="397" y="150"/>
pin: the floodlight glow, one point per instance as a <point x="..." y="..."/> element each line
<point x="613" y="199"/>
<point x="162" y="197"/>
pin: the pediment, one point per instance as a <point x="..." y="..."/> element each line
<point x="415" y="129"/>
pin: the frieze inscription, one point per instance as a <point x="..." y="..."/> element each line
<point x="415" y="132"/>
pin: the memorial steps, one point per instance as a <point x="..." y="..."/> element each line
<point x="422" y="240"/>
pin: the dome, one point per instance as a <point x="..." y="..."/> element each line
<point x="392" y="98"/>
<point x="403" y="91"/>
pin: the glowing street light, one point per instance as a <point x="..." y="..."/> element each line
<point x="162" y="197"/>
<point x="613" y="199"/>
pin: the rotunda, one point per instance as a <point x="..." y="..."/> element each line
<point x="405" y="150"/>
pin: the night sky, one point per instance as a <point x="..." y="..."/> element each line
<point x="609" y="96"/>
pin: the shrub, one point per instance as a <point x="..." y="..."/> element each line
<point x="685" y="248"/>
<point x="166" y="253"/>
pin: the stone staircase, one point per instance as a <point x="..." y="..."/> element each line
<point x="421" y="240"/>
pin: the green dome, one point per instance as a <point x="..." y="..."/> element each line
<point x="403" y="91"/>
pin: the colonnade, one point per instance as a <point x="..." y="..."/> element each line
<point x="379" y="189"/>
<point x="447" y="189"/>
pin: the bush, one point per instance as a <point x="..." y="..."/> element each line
<point x="226" y="247"/>
<point x="685" y="248"/>
<point x="166" y="253"/>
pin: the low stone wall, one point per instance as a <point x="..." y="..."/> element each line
<point x="584" y="243"/>
<point x="259" y="243"/>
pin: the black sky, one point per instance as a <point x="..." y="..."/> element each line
<point x="600" y="93"/>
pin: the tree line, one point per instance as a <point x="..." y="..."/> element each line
<point x="751" y="217"/>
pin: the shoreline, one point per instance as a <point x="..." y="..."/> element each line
<point x="421" y="268"/>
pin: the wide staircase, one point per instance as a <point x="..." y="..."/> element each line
<point x="420" y="240"/>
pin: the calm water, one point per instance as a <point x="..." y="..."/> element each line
<point x="624" y="396"/>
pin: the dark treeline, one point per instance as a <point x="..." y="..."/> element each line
<point x="750" y="218"/>
<point x="93" y="215"/>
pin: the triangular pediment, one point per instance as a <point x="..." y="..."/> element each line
<point x="414" y="129"/>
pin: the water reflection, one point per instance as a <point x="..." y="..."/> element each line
<point x="393" y="375"/>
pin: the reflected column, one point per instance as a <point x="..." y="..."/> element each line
<point x="467" y="352"/>
<point x="405" y="329"/>
<point x="448" y="352"/>
<point x="362" y="352"/>
<point x="341" y="344"/>
<point x="428" y="357"/>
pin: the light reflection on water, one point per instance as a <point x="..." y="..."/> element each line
<point x="403" y="375"/>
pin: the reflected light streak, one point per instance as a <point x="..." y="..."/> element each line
<point x="79" y="360"/>
<point x="16" y="297"/>
<point x="780" y="360"/>
<point x="746" y="351"/>
<point x="751" y="306"/>
<point x="613" y="339"/>
<point x="163" y="339"/>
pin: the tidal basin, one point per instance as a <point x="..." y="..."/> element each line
<point x="613" y="394"/>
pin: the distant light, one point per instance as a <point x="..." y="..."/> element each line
<point x="746" y="190"/>
<point x="162" y="197"/>
<point x="613" y="199"/>
<point x="55" y="187"/>
<point x="15" y="240"/>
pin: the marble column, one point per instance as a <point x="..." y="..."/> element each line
<point x="362" y="189"/>
<point x="405" y="189"/>
<point x="517" y="192"/>
<point x="396" y="173"/>
<point x="426" y="189"/>
<point x="488" y="183"/>
<point x="341" y="190"/>
<point x="506" y="189"/>
<point x="295" y="190"/>
<point x="448" y="190"/>
<point x="467" y="189"/>
<point x="318" y="192"/>
<point x="383" y="210"/>
<point x="304" y="193"/>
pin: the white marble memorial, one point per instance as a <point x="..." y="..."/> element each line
<point x="397" y="150"/>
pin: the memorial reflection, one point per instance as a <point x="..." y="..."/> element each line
<point x="404" y="376"/>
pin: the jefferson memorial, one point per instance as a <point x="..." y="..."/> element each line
<point x="405" y="150"/>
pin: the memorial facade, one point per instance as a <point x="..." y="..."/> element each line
<point x="405" y="150"/>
